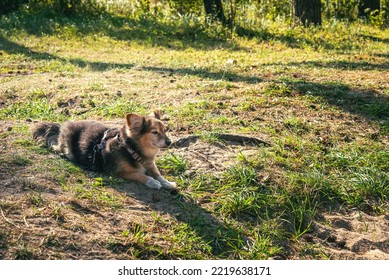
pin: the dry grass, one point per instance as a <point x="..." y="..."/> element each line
<point x="321" y="101"/>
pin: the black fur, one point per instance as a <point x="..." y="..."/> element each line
<point x="46" y="133"/>
<point x="81" y="142"/>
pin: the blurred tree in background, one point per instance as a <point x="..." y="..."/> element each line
<point x="368" y="6"/>
<point x="214" y="9"/>
<point x="7" y="6"/>
<point x="308" y="11"/>
<point x="228" y="12"/>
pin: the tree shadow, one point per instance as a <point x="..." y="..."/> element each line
<point x="222" y="238"/>
<point x="384" y="55"/>
<point x="157" y="31"/>
<point x="204" y="73"/>
<point x="339" y="64"/>
<point x="369" y="104"/>
<point x="15" y="48"/>
<point x="375" y="38"/>
<point x="144" y="29"/>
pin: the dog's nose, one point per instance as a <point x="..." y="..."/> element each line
<point x="168" y="142"/>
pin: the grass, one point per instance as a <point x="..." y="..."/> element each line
<point x="319" y="95"/>
<point x="173" y="164"/>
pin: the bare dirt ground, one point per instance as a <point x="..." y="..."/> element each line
<point x="353" y="235"/>
<point x="57" y="225"/>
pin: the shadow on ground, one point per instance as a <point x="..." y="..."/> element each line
<point x="219" y="236"/>
<point x="369" y="104"/>
<point x="156" y="31"/>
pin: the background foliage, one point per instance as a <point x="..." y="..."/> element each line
<point x="318" y="94"/>
<point x="235" y="10"/>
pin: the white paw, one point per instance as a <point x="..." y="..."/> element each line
<point x="153" y="184"/>
<point x="166" y="184"/>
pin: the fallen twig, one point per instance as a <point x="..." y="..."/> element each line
<point x="7" y="220"/>
<point x="243" y="140"/>
<point x="25" y="221"/>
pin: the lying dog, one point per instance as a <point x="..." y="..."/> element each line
<point x="128" y="152"/>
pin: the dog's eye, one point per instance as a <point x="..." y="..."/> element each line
<point x="155" y="132"/>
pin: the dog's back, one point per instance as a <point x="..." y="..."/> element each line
<point x="78" y="139"/>
<point x="75" y="140"/>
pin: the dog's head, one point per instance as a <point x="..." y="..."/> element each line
<point x="149" y="131"/>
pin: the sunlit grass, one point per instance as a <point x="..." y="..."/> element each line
<point x="319" y="95"/>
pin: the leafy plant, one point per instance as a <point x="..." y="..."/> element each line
<point x="40" y="109"/>
<point x="302" y="209"/>
<point x="7" y="6"/>
<point x="173" y="164"/>
<point x="69" y="7"/>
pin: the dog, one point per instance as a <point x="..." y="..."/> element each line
<point x="128" y="152"/>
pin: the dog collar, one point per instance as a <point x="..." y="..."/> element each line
<point x="135" y="155"/>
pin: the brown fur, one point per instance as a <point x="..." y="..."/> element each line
<point x="128" y="152"/>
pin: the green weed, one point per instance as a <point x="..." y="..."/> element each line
<point x="173" y="164"/>
<point x="262" y="247"/>
<point x="302" y="209"/>
<point x="138" y="232"/>
<point x="278" y="89"/>
<point x="24" y="253"/>
<point x="210" y="137"/>
<point x="362" y="175"/>
<point x="97" y="192"/>
<point x="39" y="110"/>
<point x="36" y="199"/>
<point x="296" y="125"/>
<point x="317" y="95"/>
<point x="240" y="194"/>
<point x="118" y="108"/>
<point x="36" y="94"/>
<point x="15" y="159"/>
<point x="186" y="241"/>
<point x="59" y="213"/>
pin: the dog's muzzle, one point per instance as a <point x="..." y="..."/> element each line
<point x="168" y="142"/>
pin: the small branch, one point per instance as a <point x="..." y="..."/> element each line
<point x="182" y="141"/>
<point x="204" y="158"/>
<point x="25" y="221"/>
<point x="7" y="220"/>
<point x="243" y="140"/>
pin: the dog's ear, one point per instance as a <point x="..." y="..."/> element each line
<point x="157" y="113"/>
<point x="134" y="122"/>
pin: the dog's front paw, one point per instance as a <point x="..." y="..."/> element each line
<point x="153" y="184"/>
<point x="166" y="184"/>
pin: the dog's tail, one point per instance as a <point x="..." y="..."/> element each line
<point x="46" y="134"/>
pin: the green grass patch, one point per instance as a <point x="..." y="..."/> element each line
<point x="173" y="164"/>
<point x="318" y="95"/>
<point x="37" y="110"/>
<point x="15" y="159"/>
<point x="118" y="108"/>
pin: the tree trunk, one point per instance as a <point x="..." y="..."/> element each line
<point x="308" y="11"/>
<point x="214" y="9"/>
<point x="368" y="6"/>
